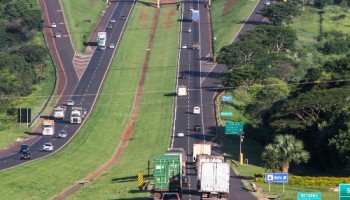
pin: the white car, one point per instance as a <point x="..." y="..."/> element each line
<point x="112" y="21"/>
<point x="62" y="134"/>
<point x="48" y="147"/>
<point x="197" y="110"/>
<point x="53" y="25"/>
<point x="111" y="46"/>
<point x="184" y="46"/>
<point x="70" y="102"/>
<point x="58" y="35"/>
<point x="180" y="134"/>
<point x="267" y="3"/>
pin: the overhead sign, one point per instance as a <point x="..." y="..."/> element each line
<point x="226" y="114"/>
<point x="234" y="128"/>
<point x="226" y="98"/>
<point x="276" y="178"/>
<point x="309" y="196"/>
<point x="344" y="191"/>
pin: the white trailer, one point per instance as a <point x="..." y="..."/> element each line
<point x="200" y="149"/>
<point x="181" y="90"/>
<point x="59" y="112"/>
<point x="101" y="40"/>
<point x="207" y="158"/>
<point x="214" y="182"/>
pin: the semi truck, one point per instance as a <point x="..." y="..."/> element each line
<point x="181" y="90"/>
<point x="48" y="127"/>
<point x="214" y="181"/>
<point x="77" y="115"/>
<point x="183" y="158"/>
<point x="59" y="112"/>
<point x="195" y="15"/>
<point x="101" y="40"/>
<point x="200" y="149"/>
<point x="167" y="175"/>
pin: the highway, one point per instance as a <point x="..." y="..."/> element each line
<point x="84" y="92"/>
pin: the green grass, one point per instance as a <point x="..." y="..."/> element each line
<point x="75" y="13"/>
<point x="151" y="134"/>
<point x="35" y="101"/>
<point x="330" y="23"/>
<point x="227" y="23"/>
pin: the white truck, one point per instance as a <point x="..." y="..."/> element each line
<point x="200" y="149"/>
<point x="48" y="127"/>
<point x="59" y="112"/>
<point x="214" y="181"/>
<point x="101" y="40"/>
<point x="77" y="115"/>
<point x="181" y="90"/>
<point x="207" y="158"/>
<point x="195" y="15"/>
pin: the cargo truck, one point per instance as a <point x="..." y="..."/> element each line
<point x="167" y="175"/>
<point x="181" y="90"/>
<point x="200" y="149"/>
<point x="214" y="181"/>
<point x="48" y="127"/>
<point x="101" y="40"/>
<point x="183" y="158"/>
<point x="195" y="45"/>
<point x="77" y="115"/>
<point x="207" y="158"/>
<point x="195" y="15"/>
<point x="59" y="112"/>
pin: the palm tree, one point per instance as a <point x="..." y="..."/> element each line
<point x="284" y="150"/>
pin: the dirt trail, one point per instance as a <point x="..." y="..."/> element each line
<point x="130" y="126"/>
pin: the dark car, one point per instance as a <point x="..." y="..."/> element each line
<point x="197" y="127"/>
<point x="122" y="17"/>
<point x="170" y="196"/>
<point x="183" y="76"/>
<point x="26" y="155"/>
<point x="24" y="147"/>
<point x="109" y="26"/>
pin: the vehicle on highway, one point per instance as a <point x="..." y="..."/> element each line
<point x="180" y="134"/>
<point x="181" y="90"/>
<point x="53" y="25"/>
<point x="48" y="127"/>
<point x="26" y="155"/>
<point x="62" y="134"/>
<point x="197" y="110"/>
<point x="112" y="21"/>
<point x="197" y="127"/>
<point x="170" y="196"/>
<point x="24" y="147"/>
<point x="184" y="46"/>
<point x="111" y="46"/>
<point x="189" y="30"/>
<point x="183" y="76"/>
<point x="122" y="17"/>
<point x="48" y="147"/>
<point x="58" y="35"/>
<point x="70" y="102"/>
<point x="109" y="26"/>
<point x="268" y="3"/>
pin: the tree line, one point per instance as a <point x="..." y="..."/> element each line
<point x="290" y="93"/>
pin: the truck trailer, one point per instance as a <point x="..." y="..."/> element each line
<point x="77" y="115"/>
<point x="200" y="149"/>
<point x="167" y="175"/>
<point x="48" y="127"/>
<point x="181" y="90"/>
<point x="195" y="15"/>
<point x="214" y="181"/>
<point x="207" y="158"/>
<point x="59" y="112"/>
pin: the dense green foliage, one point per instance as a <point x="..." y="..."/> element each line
<point x="301" y="90"/>
<point x="22" y="63"/>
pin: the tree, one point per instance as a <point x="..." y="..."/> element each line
<point x="280" y="12"/>
<point x="284" y="150"/>
<point x="270" y="90"/>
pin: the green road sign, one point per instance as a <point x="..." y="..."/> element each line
<point x="309" y="196"/>
<point x="235" y="128"/>
<point x="226" y="114"/>
<point x="344" y="191"/>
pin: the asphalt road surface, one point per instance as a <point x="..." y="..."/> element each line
<point x="85" y="92"/>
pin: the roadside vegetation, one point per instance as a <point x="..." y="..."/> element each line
<point x="291" y="84"/>
<point x="93" y="145"/>
<point x="27" y="76"/>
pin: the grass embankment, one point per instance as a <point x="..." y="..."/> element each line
<point x="307" y="27"/>
<point x="35" y="101"/>
<point x="100" y="135"/>
<point x="227" y="18"/>
<point x="151" y="134"/>
<point x="81" y="17"/>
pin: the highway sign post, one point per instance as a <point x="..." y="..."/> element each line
<point x="276" y="178"/>
<point x="344" y="191"/>
<point x="233" y="128"/>
<point x="226" y="98"/>
<point x="309" y="196"/>
<point x="140" y="180"/>
<point x="226" y="114"/>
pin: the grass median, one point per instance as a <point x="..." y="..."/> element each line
<point x="152" y="131"/>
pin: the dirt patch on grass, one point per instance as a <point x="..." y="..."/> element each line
<point x="169" y="20"/>
<point x="144" y="16"/>
<point x="228" y="6"/>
